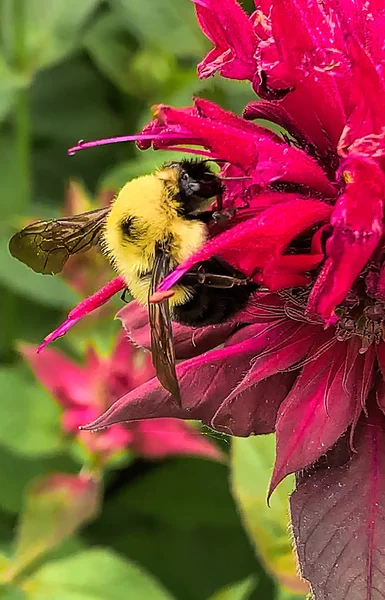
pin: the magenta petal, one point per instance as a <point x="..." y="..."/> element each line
<point x="306" y="53"/>
<point x="314" y="415"/>
<point x="84" y="308"/>
<point x="338" y="518"/>
<point x="357" y="221"/>
<point x="230" y="30"/>
<point x="367" y="116"/>
<point x="274" y="112"/>
<point x="264" y="159"/>
<point x="159" y="438"/>
<point x="126" y="368"/>
<point x="69" y="383"/>
<point x="188" y="341"/>
<point x="212" y="111"/>
<point x="251" y="244"/>
<point x="73" y="418"/>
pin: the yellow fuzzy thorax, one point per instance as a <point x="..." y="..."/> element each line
<point x="151" y="203"/>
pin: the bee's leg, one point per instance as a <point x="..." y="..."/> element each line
<point x="123" y="297"/>
<point x="218" y="292"/>
<point x="219" y="216"/>
<point x="213" y="280"/>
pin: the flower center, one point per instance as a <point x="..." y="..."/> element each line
<point x="362" y="314"/>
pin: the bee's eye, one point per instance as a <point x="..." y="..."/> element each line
<point x="185" y="176"/>
<point x="126" y="226"/>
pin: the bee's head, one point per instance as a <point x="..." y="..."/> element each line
<point x="197" y="183"/>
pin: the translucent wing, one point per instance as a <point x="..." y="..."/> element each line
<point x="162" y="347"/>
<point x="46" y="246"/>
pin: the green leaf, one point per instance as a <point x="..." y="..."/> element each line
<point x="109" y="46"/>
<point x="168" y="24"/>
<point x="19" y="471"/>
<point x="29" y="419"/>
<point x="93" y="575"/>
<point x="53" y="29"/>
<point x="55" y="507"/>
<point x="62" y="113"/>
<point x="48" y="290"/>
<point x="176" y="501"/>
<point x="283" y="594"/>
<point x="61" y="110"/>
<point x="252" y="463"/>
<point x="10" y="592"/>
<point x="180" y="523"/>
<point x="236" y="591"/>
<point x="11" y="188"/>
<point x="10" y="83"/>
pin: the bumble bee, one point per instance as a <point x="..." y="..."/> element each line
<point x="155" y="223"/>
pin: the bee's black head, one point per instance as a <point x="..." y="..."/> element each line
<point x="197" y="183"/>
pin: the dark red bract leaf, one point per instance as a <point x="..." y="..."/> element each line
<point x="188" y="342"/>
<point x="316" y="412"/>
<point x="204" y="383"/>
<point x="259" y="405"/>
<point x="338" y="515"/>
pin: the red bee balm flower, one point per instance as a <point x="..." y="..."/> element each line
<point x="307" y="358"/>
<point x="84" y="391"/>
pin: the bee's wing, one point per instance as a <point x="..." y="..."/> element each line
<point x="45" y="246"/>
<point x="162" y="347"/>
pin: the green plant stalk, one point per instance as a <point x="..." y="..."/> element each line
<point x="22" y="133"/>
<point x="22" y="127"/>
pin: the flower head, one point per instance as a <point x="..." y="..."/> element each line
<point x="305" y="359"/>
<point x="85" y="390"/>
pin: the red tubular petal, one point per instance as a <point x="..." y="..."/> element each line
<point x="274" y="112"/>
<point x="229" y="28"/>
<point x="211" y="110"/>
<point x="357" y="220"/>
<point x="252" y="243"/>
<point x="258" y="154"/>
<point x="303" y="52"/>
<point x="84" y="308"/>
<point x="368" y="116"/>
<point x="236" y="28"/>
<point x="338" y="518"/>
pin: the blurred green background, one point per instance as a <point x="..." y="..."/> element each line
<point x="87" y="69"/>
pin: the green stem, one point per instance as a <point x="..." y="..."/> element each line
<point x="21" y="114"/>
<point x="22" y="133"/>
<point x="19" y="47"/>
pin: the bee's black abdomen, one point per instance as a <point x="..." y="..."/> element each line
<point x="210" y="305"/>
